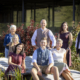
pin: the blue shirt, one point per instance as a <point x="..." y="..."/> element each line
<point x="35" y="57"/>
<point x="8" y="38"/>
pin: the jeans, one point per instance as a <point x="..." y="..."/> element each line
<point x="6" y="52"/>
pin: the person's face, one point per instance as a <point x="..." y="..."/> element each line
<point x="43" y="43"/>
<point x="13" y="30"/>
<point x="58" y="44"/>
<point x="19" y="48"/>
<point x="15" y="39"/>
<point x="65" y="26"/>
<point x="43" y="24"/>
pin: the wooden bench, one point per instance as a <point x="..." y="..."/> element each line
<point x="29" y="65"/>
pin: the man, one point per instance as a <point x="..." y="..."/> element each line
<point x="41" y="57"/>
<point x="43" y="32"/>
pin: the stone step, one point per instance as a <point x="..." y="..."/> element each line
<point x="29" y="65"/>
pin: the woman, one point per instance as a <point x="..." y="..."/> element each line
<point x="59" y="56"/>
<point x="15" y="41"/>
<point x="8" y="39"/>
<point x="16" y="60"/>
<point x="67" y="38"/>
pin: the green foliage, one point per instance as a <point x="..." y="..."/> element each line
<point x="17" y="74"/>
<point x="1" y="54"/>
<point x="75" y="58"/>
<point x="1" y="75"/>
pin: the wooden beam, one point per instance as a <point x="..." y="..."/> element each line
<point x="53" y="15"/>
<point x="48" y="16"/>
<point x="73" y="10"/>
<point x="23" y="11"/>
<point x="34" y="12"/>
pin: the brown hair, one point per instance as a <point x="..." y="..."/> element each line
<point x="61" y="28"/>
<point x="22" y="51"/>
<point x="44" y="38"/>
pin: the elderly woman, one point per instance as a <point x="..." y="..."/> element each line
<point x="59" y="56"/>
<point x="8" y="39"/>
<point x="16" y="60"/>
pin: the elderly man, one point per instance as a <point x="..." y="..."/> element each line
<point x="43" y="32"/>
<point x="8" y="38"/>
<point x="41" y="57"/>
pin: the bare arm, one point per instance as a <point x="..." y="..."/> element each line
<point x="36" y="66"/>
<point x="64" y="59"/>
<point x="50" y="65"/>
<point x="23" y="64"/>
<point x="8" y="44"/>
<point x="70" y="40"/>
<point x="10" y="61"/>
<point x="36" y="47"/>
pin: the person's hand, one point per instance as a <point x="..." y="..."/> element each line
<point x="47" y="70"/>
<point x="36" y="47"/>
<point x="19" y="66"/>
<point x="24" y="70"/>
<point x="8" y="44"/>
<point x="49" y="48"/>
<point x="53" y="47"/>
<point x="39" y="73"/>
<point x="67" y="50"/>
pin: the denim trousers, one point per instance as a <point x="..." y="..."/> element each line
<point x="6" y="52"/>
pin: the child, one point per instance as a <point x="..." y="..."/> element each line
<point x="15" y="41"/>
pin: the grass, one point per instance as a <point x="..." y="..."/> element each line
<point x="1" y="54"/>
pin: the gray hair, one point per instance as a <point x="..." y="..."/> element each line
<point x="44" y="20"/>
<point x="13" y="26"/>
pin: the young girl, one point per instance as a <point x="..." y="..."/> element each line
<point x="15" y="41"/>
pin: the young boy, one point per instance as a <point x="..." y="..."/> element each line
<point x="41" y="57"/>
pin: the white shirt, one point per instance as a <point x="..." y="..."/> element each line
<point x="58" y="54"/>
<point x="76" y="43"/>
<point x="35" y="57"/>
<point x="50" y="35"/>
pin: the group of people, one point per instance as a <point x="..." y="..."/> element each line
<point x="55" y="60"/>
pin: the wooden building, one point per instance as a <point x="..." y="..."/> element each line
<point x="15" y="11"/>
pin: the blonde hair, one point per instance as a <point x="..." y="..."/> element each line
<point x="14" y="37"/>
<point x="60" y="40"/>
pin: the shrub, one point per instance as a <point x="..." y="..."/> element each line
<point x="25" y="36"/>
<point x="1" y="54"/>
<point x="75" y="59"/>
<point x="1" y="75"/>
